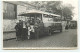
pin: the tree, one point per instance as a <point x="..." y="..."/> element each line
<point x="55" y="7"/>
<point x="67" y="12"/>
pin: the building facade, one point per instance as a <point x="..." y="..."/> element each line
<point x="11" y="10"/>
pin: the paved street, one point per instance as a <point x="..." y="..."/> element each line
<point x="64" y="39"/>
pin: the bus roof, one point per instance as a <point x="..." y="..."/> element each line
<point x="37" y="11"/>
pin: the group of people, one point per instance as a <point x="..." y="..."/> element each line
<point x="20" y="30"/>
<point x="23" y="30"/>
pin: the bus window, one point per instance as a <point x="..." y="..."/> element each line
<point x="50" y="16"/>
<point x="45" y="15"/>
<point x="56" y="19"/>
<point x="50" y="19"/>
<point x="32" y="18"/>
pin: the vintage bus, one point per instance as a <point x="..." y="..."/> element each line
<point x="42" y="23"/>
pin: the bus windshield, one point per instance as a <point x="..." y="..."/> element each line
<point x="32" y="18"/>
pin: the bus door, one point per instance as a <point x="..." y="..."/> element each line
<point x="35" y="21"/>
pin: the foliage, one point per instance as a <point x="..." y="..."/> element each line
<point x="55" y="7"/>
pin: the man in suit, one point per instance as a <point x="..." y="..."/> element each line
<point x="17" y="31"/>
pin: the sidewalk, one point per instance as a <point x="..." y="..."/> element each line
<point x="9" y="35"/>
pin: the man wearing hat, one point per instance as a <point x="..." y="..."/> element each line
<point x="17" y="31"/>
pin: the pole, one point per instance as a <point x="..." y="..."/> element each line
<point x="63" y="22"/>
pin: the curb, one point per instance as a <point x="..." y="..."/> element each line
<point x="9" y="39"/>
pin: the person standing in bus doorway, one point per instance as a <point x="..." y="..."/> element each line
<point x="37" y="28"/>
<point x="28" y="30"/>
<point x="32" y="22"/>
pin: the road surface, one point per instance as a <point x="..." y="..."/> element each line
<point x="64" y="39"/>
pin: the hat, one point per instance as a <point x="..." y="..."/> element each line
<point x="17" y="21"/>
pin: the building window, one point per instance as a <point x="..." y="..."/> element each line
<point x="9" y="11"/>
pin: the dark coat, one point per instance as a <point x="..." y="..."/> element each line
<point x="66" y="27"/>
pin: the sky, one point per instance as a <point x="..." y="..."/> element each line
<point x="74" y="3"/>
